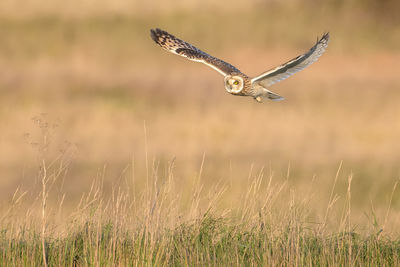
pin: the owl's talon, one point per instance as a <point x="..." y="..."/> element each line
<point x="258" y="99"/>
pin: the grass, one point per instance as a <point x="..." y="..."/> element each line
<point x="263" y="227"/>
<point x="152" y="221"/>
<point x="209" y="241"/>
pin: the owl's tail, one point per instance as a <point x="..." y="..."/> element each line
<point x="274" y="97"/>
<point x="270" y="95"/>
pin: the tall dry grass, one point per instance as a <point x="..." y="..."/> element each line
<point x="159" y="223"/>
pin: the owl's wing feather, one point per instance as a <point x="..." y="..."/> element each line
<point x="184" y="49"/>
<point x="289" y="68"/>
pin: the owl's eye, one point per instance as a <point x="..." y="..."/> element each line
<point x="235" y="82"/>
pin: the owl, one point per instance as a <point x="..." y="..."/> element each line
<point x="236" y="82"/>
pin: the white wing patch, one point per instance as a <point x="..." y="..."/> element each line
<point x="184" y="49"/>
<point x="291" y="67"/>
<point x="214" y="67"/>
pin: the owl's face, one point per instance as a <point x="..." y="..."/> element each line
<point x="233" y="84"/>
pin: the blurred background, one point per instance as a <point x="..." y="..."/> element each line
<point x="83" y="85"/>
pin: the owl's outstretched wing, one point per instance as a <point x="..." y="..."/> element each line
<point x="182" y="48"/>
<point x="291" y="67"/>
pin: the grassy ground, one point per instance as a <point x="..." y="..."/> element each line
<point x="161" y="226"/>
<point x="208" y="242"/>
<point x="157" y="224"/>
<point x="113" y="151"/>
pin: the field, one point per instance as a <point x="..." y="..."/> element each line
<point x="114" y="152"/>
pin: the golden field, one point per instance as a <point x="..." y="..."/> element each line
<point x="85" y="91"/>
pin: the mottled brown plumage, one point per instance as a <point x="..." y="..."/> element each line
<point x="236" y="82"/>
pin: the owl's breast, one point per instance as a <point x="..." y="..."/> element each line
<point x="247" y="87"/>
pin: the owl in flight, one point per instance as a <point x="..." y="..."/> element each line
<point x="236" y="82"/>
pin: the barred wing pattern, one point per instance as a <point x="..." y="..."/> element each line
<point x="291" y="67"/>
<point x="184" y="49"/>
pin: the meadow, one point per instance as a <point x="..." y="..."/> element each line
<point x="114" y="152"/>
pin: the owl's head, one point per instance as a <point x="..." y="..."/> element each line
<point x="233" y="84"/>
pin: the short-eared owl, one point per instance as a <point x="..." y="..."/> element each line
<point x="236" y="82"/>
